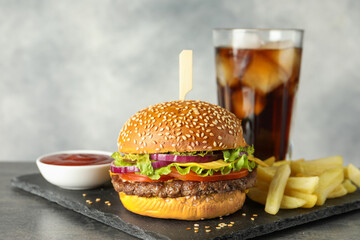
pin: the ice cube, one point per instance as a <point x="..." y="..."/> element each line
<point x="260" y="102"/>
<point x="230" y="63"/>
<point x="246" y="40"/>
<point x="286" y="58"/>
<point x="278" y="44"/>
<point x="243" y="102"/>
<point x="263" y="74"/>
<point x="225" y="71"/>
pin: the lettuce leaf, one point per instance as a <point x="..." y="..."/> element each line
<point x="241" y="163"/>
<point x="143" y="162"/>
<point x="231" y="154"/>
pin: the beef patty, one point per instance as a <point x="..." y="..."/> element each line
<point x="178" y="188"/>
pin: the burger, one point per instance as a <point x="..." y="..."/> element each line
<point x="183" y="160"/>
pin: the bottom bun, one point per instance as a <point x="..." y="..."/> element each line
<point x="185" y="208"/>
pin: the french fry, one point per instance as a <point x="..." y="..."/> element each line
<point x="328" y="181"/>
<point x="300" y="183"/>
<point x="316" y="167"/>
<point x="257" y="195"/>
<point x="354" y="174"/>
<point x="287" y="202"/>
<point x="339" y="191"/>
<point x="266" y="173"/>
<point x="262" y="185"/>
<point x="301" y="175"/>
<point x="303" y="184"/>
<point x="270" y="161"/>
<point x="346" y="175"/>
<point x="309" y="198"/>
<point x="278" y="163"/>
<point x="307" y="185"/>
<point x="350" y="188"/>
<point x="276" y="189"/>
<point x="258" y="161"/>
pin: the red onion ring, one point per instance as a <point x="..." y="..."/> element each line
<point x="185" y="158"/>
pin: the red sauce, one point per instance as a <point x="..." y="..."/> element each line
<point x="79" y="159"/>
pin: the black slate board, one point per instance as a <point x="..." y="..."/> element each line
<point x="150" y="228"/>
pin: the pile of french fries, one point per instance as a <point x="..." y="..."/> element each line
<point x="302" y="184"/>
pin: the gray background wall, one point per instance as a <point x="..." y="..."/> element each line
<point x="72" y="72"/>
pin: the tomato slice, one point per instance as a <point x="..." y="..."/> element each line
<point x="191" y="176"/>
<point x="142" y="178"/>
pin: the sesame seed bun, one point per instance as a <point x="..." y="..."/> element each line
<point x="181" y="126"/>
<point x="185" y="208"/>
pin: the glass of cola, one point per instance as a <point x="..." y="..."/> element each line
<point x="257" y="73"/>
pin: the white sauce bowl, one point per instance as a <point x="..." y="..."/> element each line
<point x="75" y="177"/>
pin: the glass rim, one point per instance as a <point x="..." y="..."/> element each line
<point x="260" y="29"/>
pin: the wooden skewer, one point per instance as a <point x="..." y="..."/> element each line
<point x="185" y="73"/>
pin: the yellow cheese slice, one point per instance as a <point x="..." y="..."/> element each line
<point x="209" y="165"/>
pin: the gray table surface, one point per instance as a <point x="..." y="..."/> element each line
<point x="25" y="216"/>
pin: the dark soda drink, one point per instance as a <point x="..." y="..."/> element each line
<point x="259" y="85"/>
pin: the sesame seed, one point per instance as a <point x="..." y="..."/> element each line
<point x="207" y="230"/>
<point x="196" y="225"/>
<point x="207" y="226"/>
<point x="255" y="215"/>
<point x="244" y="214"/>
<point x="196" y="228"/>
<point x="218" y="227"/>
<point x="84" y="194"/>
<point x="252" y="219"/>
<point x="188" y="228"/>
<point x="98" y="200"/>
<point x="230" y="225"/>
<point x="232" y="222"/>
